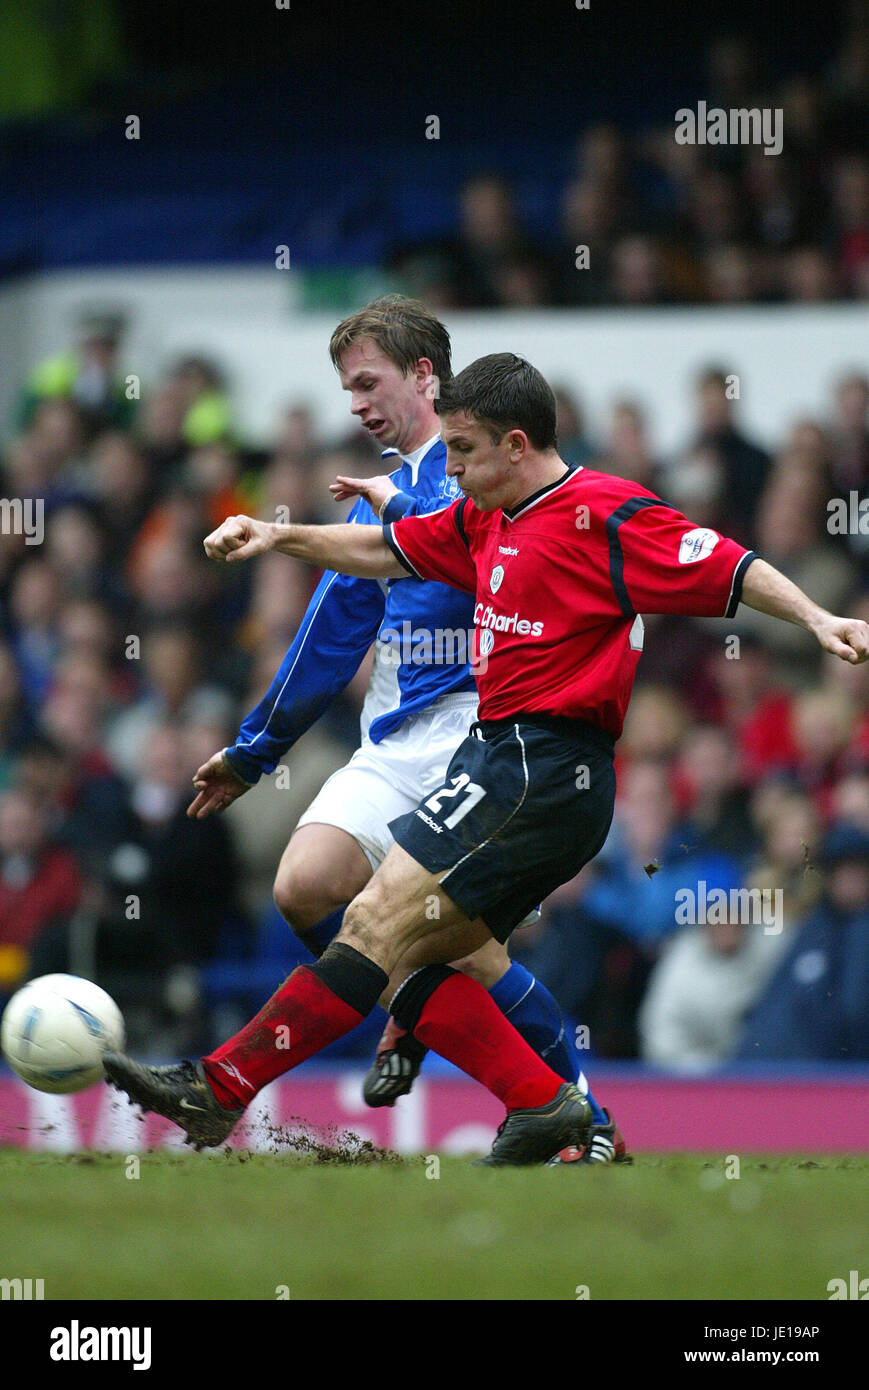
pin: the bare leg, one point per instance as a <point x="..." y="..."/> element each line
<point x="323" y="867"/>
<point x="486" y="965"/>
<point x="403" y="904"/>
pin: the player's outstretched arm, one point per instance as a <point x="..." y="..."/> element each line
<point x="769" y="591"/>
<point x="350" y="549"/>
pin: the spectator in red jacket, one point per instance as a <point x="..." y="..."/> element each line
<point x="39" y="883"/>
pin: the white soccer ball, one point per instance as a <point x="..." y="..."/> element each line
<point x="55" y="1030"/>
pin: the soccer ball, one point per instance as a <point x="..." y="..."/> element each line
<point x="55" y="1030"/>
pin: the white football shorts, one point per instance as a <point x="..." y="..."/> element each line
<point x="385" y="780"/>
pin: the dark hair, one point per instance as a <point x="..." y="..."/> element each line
<point x="503" y="392"/>
<point x="404" y="330"/>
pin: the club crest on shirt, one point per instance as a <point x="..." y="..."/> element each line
<point x="448" y="490"/>
<point x="697" y="544"/>
<point x="497" y="578"/>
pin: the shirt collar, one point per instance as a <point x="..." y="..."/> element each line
<point x="413" y="460"/>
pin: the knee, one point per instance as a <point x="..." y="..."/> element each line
<point x="476" y="970"/>
<point x="471" y="967"/>
<point x="299" y="897"/>
<point x="486" y="966"/>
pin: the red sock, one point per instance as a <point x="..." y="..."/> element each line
<point x="302" y="1017"/>
<point x="462" y="1022"/>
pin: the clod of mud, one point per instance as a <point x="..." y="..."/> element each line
<point x="337" y="1146"/>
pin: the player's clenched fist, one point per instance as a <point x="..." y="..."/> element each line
<point x="844" y="637"/>
<point x="239" y="538"/>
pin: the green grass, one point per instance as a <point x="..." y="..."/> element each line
<point x="237" y="1227"/>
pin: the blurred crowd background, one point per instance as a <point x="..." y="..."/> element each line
<point x="457" y="174"/>
<point x="126" y="659"/>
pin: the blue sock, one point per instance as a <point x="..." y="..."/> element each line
<point x="323" y="931"/>
<point x="534" y="1013"/>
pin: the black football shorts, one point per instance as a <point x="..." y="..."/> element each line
<point x="526" y="802"/>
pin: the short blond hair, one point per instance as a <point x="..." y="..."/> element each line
<point x="404" y="330"/>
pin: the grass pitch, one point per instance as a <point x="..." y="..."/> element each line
<point x="241" y="1226"/>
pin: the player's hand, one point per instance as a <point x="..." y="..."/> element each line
<point x="217" y="786"/>
<point x="376" y="491"/>
<point x="240" y="538"/>
<point x="847" y="638"/>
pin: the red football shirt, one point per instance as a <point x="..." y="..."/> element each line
<point x="560" y="582"/>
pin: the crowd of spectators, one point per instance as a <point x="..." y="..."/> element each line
<point x="127" y="659"/>
<point x="664" y="223"/>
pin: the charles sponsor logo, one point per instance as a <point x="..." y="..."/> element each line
<point x="503" y="622"/>
<point x="697" y="544"/>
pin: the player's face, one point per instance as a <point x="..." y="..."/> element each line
<point x="385" y="401"/>
<point x="480" y="467"/>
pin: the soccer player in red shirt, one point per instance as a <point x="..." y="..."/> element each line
<point x="562" y="562"/>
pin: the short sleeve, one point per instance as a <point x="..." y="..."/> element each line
<point x="434" y="547"/>
<point x="660" y="562"/>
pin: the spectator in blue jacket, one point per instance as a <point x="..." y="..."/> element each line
<point x="816" y="1006"/>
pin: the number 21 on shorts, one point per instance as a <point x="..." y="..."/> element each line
<point x="461" y="785"/>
